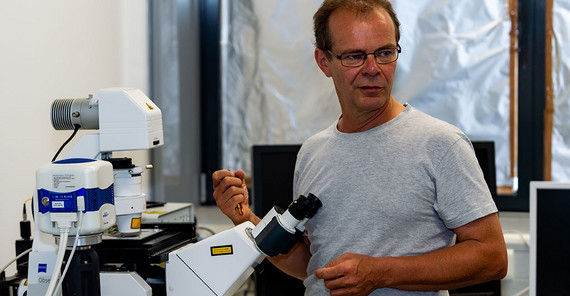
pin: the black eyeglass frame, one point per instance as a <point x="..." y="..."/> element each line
<point x="398" y="52"/>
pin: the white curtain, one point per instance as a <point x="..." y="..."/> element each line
<point x="560" y="77"/>
<point x="454" y="65"/>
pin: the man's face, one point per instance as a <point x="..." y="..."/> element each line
<point x="367" y="88"/>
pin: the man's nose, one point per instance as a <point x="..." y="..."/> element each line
<point x="370" y="66"/>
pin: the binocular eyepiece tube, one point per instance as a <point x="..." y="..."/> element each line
<point x="278" y="233"/>
<point x="305" y="206"/>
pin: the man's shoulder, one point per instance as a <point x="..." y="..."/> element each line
<point x="429" y="124"/>
<point x="424" y="118"/>
<point x="432" y="133"/>
<point x="316" y="142"/>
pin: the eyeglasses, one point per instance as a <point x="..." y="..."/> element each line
<point x="357" y="59"/>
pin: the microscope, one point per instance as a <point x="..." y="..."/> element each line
<point x="82" y="196"/>
<point x="220" y="264"/>
<point x="78" y="198"/>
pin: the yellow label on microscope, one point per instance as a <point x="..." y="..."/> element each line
<point x="136" y="223"/>
<point x="221" y="250"/>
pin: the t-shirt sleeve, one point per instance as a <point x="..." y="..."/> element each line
<point x="462" y="195"/>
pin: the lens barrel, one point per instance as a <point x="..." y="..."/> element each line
<point x="304" y="206"/>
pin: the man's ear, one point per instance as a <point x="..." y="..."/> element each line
<point x="322" y="61"/>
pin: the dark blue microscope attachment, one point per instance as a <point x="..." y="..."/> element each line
<point x="274" y="239"/>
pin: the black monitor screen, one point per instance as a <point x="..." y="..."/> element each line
<point x="273" y="169"/>
<point x="274" y="165"/>
<point x="551" y="241"/>
<point x="485" y="152"/>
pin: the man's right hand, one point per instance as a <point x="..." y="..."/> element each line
<point x="230" y="193"/>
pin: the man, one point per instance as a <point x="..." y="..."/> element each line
<point x="398" y="187"/>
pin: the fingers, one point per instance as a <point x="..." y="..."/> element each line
<point x="230" y="193"/>
<point x="339" y="260"/>
<point x="334" y="269"/>
<point x="349" y="274"/>
<point x="240" y="174"/>
<point x="330" y="272"/>
<point x="333" y="274"/>
<point x="218" y="176"/>
<point x="334" y="279"/>
<point x="227" y="186"/>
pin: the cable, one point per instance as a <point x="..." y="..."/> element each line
<point x="13" y="260"/>
<point x="206" y="229"/>
<point x="77" y="127"/>
<point x="80" y="208"/>
<point x="31" y="200"/>
<point x="25" y="225"/>
<point x="63" y="235"/>
<point x="24" y="216"/>
<point x="71" y="253"/>
<point x="24" y="210"/>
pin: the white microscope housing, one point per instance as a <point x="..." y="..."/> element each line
<point x="60" y="183"/>
<point x="73" y="194"/>
<point x="125" y="119"/>
<point x="220" y="264"/>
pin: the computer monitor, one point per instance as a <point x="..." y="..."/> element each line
<point x="485" y="153"/>
<point x="274" y="165"/>
<point x="272" y="177"/>
<point x="549" y="238"/>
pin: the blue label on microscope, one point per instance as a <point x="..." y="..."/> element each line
<point x="66" y="202"/>
<point x="59" y="202"/>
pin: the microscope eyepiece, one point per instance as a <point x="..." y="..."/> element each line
<point x="317" y="204"/>
<point x="304" y="206"/>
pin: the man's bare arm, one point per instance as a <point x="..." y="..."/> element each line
<point x="295" y="263"/>
<point x="479" y="256"/>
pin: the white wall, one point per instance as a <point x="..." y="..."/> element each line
<point x="50" y="50"/>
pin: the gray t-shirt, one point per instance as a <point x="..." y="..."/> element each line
<point x="395" y="190"/>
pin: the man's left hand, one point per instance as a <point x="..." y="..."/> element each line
<point x="350" y="274"/>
